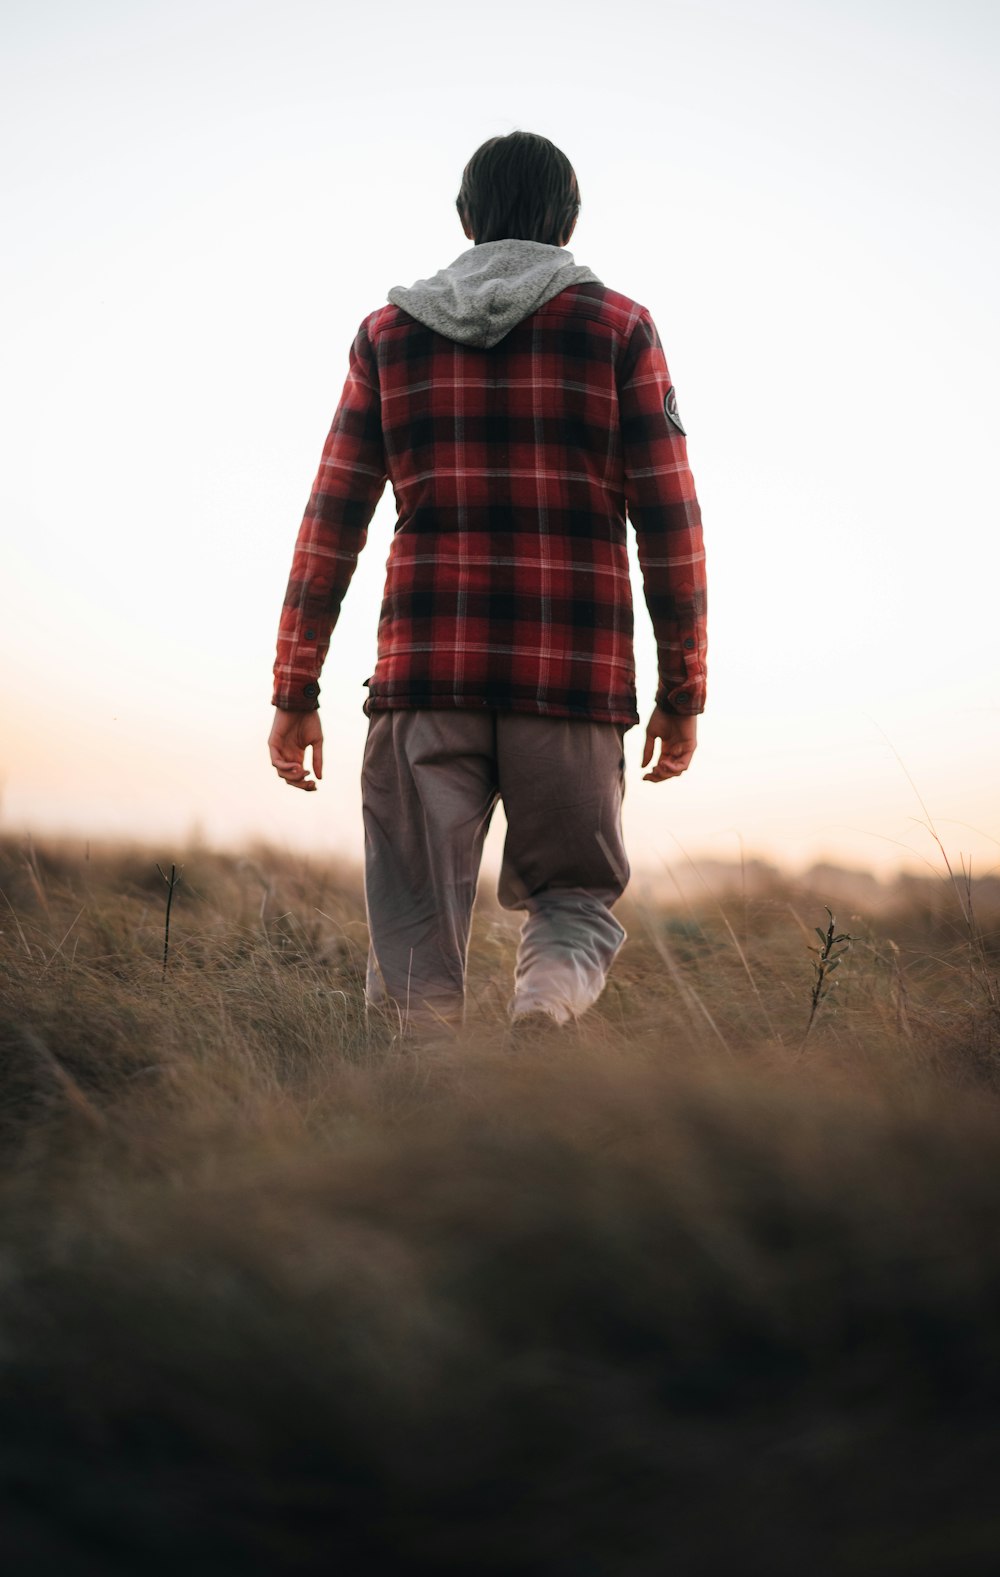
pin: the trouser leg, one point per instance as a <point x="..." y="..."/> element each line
<point x="562" y="781"/>
<point x="428" y="794"/>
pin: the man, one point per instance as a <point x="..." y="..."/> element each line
<point x="519" y="407"/>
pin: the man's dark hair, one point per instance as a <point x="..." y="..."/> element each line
<point x="520" y="186"/>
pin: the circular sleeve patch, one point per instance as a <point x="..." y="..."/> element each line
<point x="670" y="407"/>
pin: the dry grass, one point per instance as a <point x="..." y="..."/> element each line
<point x="681" y="1291"/>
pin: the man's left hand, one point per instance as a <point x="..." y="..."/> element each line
<point x="678" y="737"/>
<point x="291" y="735"/>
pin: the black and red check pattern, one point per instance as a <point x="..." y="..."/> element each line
<point x="507" y="583"/>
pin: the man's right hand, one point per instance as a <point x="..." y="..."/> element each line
<point x="678" y="737"/>
<point x="292" y="733"/>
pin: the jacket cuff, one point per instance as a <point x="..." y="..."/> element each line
<point x="297" y="697"/>
<point x="682" y="700"/>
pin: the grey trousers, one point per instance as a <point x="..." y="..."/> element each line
<point x="431" y="780"/>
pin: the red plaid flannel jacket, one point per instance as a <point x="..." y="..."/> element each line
<point x="507" y="583"/>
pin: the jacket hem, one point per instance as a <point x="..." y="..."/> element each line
<point x="627" y="715"/>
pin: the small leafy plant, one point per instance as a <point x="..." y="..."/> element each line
<point x="832" y="947"/>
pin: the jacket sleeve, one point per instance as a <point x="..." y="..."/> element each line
<point x="664" y="511"/>
<point x="348" y="486"/>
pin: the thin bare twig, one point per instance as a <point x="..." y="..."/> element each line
<point x="172" y="881"/>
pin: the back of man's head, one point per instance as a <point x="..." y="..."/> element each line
<point x="519" y="186"/>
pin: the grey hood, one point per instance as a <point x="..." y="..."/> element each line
<point x="488" y="289"/>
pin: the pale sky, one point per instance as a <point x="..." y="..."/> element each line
<point x="203" y="200"/>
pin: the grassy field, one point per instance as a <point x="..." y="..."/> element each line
<point x="687" y="1289"/>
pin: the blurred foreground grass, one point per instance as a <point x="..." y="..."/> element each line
<point x="679" y="1291"/>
